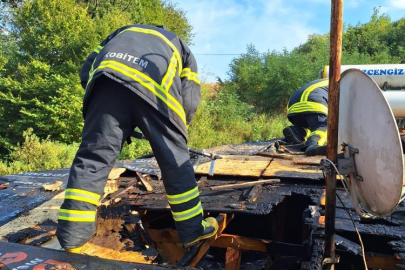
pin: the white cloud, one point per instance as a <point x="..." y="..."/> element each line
<point x="397" y="4"/>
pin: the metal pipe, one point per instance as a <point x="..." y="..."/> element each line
<point x="396" y="100"/>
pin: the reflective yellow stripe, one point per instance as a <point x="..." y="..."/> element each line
<point x="98" y="49"/>
<point x="184" y="215"/>
<point x="191" y="76"/>
<point x="204" y="224"/>
<point x="170" y="73"/>
<point x="148" y="83"/>
<point x="305" y="94"/>
<point x="183" y="197"/>
<point x="82" y="195"/>
<point x="308" y="106"/>
<point x="322" y="136"/>
<point x="77" y="215"/>
<point x="160" y="35"/>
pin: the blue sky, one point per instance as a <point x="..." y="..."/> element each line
<point x="228" y="26"/>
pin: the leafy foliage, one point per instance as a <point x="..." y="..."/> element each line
<point x="43" y="44"/>
<point x="224" y="119"/>
<point x="37" y="155"/>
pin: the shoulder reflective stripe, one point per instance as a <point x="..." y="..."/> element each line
<point x="158" y="34"/>
<point x="191" y="76"/>
<point x="98" y="49"/>
<point x="91" y="73"/>
<point x="184" y="215"/>
<point x="170" y="73"/>
<point x="148" y="83"/>
<point x="183" y="197"/>
<point x="305" y="94"/>
<point x="308" y="106"/>
<point x="82" y="195"/>
<point x="77" y="215"/>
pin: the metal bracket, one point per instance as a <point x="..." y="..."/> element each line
<point x="346" y="162"/>
<point x="326" y="166"/>
<point x="331" y="260"/>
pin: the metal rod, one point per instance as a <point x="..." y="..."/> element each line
<point x="333" y="121"/>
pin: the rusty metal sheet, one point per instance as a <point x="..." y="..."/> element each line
<point x="284" y="168"/>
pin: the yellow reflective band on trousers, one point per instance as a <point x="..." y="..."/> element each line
<point x="191" y="76"/>
<point x="82" y="195"/>
<point x="307" y="92"/>
<point x="160" y="35"/>
<point x="171" y="72"/>
<point x="308" y="106"/>
<point x="183" y="197"/>
<point x="204" y="224"/>
<point x="98" y="49"/>
<point x="147" y="82"/>
<point x="77" y="215"/>
<point x="322" y="136"/>
<point x="184" y="215"/>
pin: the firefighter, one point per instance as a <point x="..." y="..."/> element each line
<point x="307" y="110"/>
<point x="146" y="77"/>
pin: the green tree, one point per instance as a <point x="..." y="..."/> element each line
<point x="43" y="44"/>
<point x="149" y="12"/>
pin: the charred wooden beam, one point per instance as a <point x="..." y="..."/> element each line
<point x="232" y="259"/>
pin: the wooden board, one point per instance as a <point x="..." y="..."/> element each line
<point x="289" y="169"/>
<point x="236" y="165"/>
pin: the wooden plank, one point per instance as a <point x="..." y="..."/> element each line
<point x="115" y="173"/>
<point x="288" y="169"/>
<point x="236" y="165"/>
<point x="240" y="242"/>
<point x="245" y="184"/>
<point x="386" y="262"/>
<point x="145" y="182"/>
<point x="232" y="259"/>
<point x="170" y="252"/>
<point x="111" y="254"/>
<point x="316" y="160"/>
<point x="223" y="223"/>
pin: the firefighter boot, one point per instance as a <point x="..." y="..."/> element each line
<point x="315" y="146"/>
<point x="315" y="150"/>
<point x="294" y="135"/>
<point x="210" y="226"/>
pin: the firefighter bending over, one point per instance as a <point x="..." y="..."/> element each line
<point x="145" y="77"/>
<point x="307" y="110"/>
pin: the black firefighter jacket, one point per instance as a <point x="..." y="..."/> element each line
<point x="155" y="64"/>
<point x="311" y="98"/>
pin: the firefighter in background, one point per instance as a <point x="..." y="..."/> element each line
<point x="307" y="110"/>
<point x="146" y="77"/>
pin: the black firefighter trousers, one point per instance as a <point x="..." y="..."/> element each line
<point x="113" y="111"/>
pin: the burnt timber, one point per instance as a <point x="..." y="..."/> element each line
<point x="271" y="226"/>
